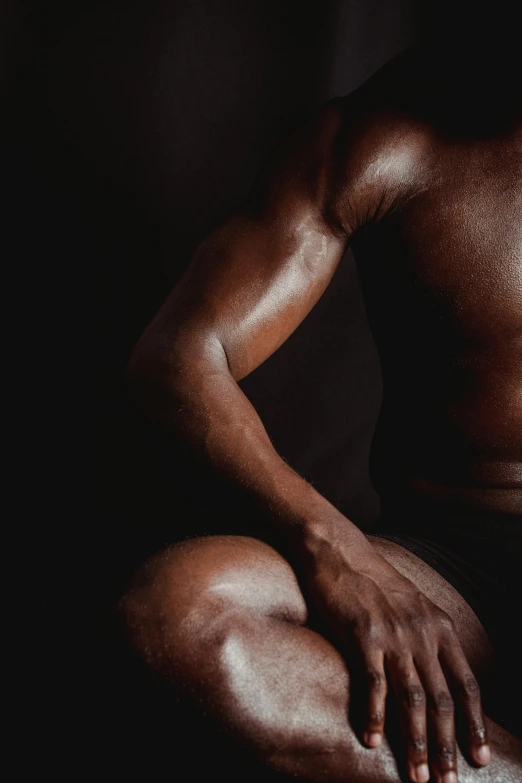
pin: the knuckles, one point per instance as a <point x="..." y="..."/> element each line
<point x="478" y="732"/>
<point x="423" y="622"/>
<point x="414" y="697"/>
<point x="441" y="702"/>
<point x="447" y="753"/>
<point x="366" y="629"/>
<point x="376" y="680"/>
<point x="445" y="623"/>
<point x="470" y="688"/>
<point x="418" y="744"/>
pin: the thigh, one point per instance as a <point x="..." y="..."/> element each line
<point x="213" y="574"/>
<point x="191" y="594"/>
<point x="210" y="576"/>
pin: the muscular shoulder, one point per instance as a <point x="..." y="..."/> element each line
<point x="353" y="160"/>
<point x="380" y="157"/>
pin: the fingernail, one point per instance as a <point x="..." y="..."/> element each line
<point x="373" y="739"/>
<point x="483" y="754"/>
<point x="422" y="773"/>
<point x="449" y="777"/>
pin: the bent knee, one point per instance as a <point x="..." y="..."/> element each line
<point x="189" y="590"/>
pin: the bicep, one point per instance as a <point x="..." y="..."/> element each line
<point x="255" y="278"/>
<point x="253" y="283"/>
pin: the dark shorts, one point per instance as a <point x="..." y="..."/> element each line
<point x="479" y="553"/>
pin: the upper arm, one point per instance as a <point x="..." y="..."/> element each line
<point x="255" y="278"/>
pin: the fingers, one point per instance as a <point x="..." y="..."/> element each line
<point x="376" y="686"/>
<point x="411" y="699"/>
<point x="467" y="691"/>
<point x="427" y="670"/>
<point x="441" y="721"/>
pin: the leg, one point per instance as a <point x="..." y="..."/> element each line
<point x="223" y="620"/>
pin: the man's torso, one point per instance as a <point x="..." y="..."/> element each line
<point x="439" y="249"/>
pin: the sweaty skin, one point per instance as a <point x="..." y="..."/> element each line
<point x="429" y="192"/>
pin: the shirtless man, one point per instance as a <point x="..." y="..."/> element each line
<point x="424" y="178"/>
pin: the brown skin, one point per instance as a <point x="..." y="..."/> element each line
<point x="445" y="201"/>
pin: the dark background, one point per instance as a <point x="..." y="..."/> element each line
<point x="136" y="128"/>
<point x="130" y="130"/>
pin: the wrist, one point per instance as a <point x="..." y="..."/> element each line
<point x="331" y="536"/>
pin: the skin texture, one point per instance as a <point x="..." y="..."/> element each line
<point x="429" y="193"/>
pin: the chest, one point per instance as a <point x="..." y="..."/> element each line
<point x="461" y="247"/>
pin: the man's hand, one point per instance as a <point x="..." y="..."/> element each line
<point x="402" y="641"/>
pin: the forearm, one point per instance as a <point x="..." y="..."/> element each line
<point x="195" y="397"/>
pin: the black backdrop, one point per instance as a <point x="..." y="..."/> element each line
<point x="132" y="128"/>
<point x="137" y="128"/>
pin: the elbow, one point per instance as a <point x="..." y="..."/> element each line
<point x="161" y="372"/>
<point x="154" y="358"/>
